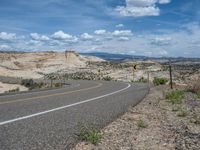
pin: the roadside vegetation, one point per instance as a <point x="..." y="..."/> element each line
<point x="141" y="80"/>
<point x="175" y="96"/>
<point x="183" y="112"/>
<point x="13" y="90"/>
<point x="141" y="123"/>
<point x="159" y="81"/>
<point x="31" y="85"/>
<point x="198" y="95"/>
<point x="195" y="88"/>
<point x="178" y="122"/>
<point x="90" y="135"/>
<point x="107" y="78"/>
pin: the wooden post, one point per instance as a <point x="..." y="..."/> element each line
<point x="148" y="78"/>
<point x="170" y="74"/>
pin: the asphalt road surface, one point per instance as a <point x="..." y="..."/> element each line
<point x="52" y="119"/>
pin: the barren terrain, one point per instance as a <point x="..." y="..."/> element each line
<point x="160" y="126"/>
<point x="33" y="65"/>
<point x="153" y="124"/>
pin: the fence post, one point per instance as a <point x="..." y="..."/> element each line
<point x="170" y="73"/>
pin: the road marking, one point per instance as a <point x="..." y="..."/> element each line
<point x="62" y="107"/>
<point x="50" y="95"/>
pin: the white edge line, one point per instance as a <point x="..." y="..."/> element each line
<point x="62" y="107"/>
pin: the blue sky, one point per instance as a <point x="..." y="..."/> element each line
<point x="137" y="27"/>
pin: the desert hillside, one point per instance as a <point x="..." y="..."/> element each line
<point x="35" y="64"/>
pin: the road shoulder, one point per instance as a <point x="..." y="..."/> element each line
<point x="152" y="124"/>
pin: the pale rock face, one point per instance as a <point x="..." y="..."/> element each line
<point x="74" y="59"/>
<point x="31" y="65"/>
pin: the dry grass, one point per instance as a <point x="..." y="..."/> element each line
<point x="195" y="87"/>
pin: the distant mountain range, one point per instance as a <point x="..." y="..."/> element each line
<point x="114" y="57"/>
<point x="125" y="57"/>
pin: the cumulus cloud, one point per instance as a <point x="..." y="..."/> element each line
<point x="184" y="42"/>
<point x="161" y="40"/>
<point x="123" y="39"/>
<point x="100" y="32"/>
<point x="4" y="47"/>
<point x="60" y="35"/>
<point x="139" y="8"/>
<point x="119" y="26"/>
<point x="164" y="1"/>
<point x="7" y="36"/>
<point x="86" y="36"/>
<point x="38" y="37"/>
<point x="122" y="33"/>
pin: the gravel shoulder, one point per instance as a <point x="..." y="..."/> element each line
<point x="163" y="129"/>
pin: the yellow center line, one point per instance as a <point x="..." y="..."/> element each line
<point x="50" y="95"/>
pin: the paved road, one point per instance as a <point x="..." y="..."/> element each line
<point x="51" y="119"/>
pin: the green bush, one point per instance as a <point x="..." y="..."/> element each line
<point x="27" y="82"/>
<point x="107" y="78"/>
<point x="159" y="81"/>
<point x="90" y="135"/>
<point x="141" y="123"/>
<point x="198" y="95"/>
<point x="57" y="85"/>
<point x="175" y="97"/>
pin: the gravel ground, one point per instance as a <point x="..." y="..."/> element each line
<point x="164" y="129"/>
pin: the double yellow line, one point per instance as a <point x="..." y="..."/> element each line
<point x="50" y="95"/>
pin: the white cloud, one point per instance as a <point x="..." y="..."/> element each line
<point x="119" y="26"/>
<point x="183" y="42"/>
<point x="164" y="1"/>
<point x="162" y="53"/>
<point x="86" y="36"/>
<point x="139" y="8"/>
<point x="161" y="40"/>
<point x="38" y="37"/>
<point x="60" y="35"/>
<point x="124" y="33"/>
<point x="4" y="47"/>
<point x="138" y="11"/>
<point x="100" y="32"/>
<point x="124" y="38"/>
<point x="7" y="36"/>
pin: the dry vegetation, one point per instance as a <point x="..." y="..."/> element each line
<point x="155" y="124"/>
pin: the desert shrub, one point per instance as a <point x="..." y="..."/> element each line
<point x="159" y="81"/>
<point x="27" y="82"/>
<point x="175" y="97"/>
<point x="90" y="135"/>
<point x="13" y="90"/>
<point x="198" y="95"/>
<point x="195" y="119"/>
<point x="182" y="113"/>
<point x="41" y="84"/>
<point x="57" y="85"/>
<point x="143" y="80"/>
<point x="107" y="78"/>
<point x="195" y="87"/>
<point x="141" y="123"/>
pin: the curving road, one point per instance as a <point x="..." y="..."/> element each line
<point x="51" y="119"/>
